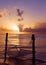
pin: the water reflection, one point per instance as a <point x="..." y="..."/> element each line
<point x="25" y="40"/>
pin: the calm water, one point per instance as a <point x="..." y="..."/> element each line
<point x="25" y="40"/>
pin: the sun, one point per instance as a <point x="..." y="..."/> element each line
<point x="15" y="27"/>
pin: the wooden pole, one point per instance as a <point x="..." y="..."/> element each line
<point x="6" y="40"/>
<point x="33" y="49"/>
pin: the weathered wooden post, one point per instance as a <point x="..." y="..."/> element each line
<point x="33" y="49"/>
<point x="6" y="40"/>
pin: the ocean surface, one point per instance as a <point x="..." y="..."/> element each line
<point x="24" y="40"/>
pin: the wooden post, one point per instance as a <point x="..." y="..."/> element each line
<point x="6" y="40"/>
<point x="33" y="49"/>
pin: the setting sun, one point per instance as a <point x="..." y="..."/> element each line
<point x="15" y="28"/>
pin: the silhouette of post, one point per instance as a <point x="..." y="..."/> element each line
<point x="6" y="40"/>
<point x="33" y="49"/>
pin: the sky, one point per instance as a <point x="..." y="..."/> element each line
<point x="34" y="13"/>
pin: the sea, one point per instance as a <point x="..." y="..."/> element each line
<point x="23" y="40"/>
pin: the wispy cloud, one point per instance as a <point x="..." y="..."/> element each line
<point x="1" y="13"/>
<point x="40" y="25"/>
<point x="7" y="12"/>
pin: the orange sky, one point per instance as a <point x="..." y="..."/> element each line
<point x="34" y="15"/>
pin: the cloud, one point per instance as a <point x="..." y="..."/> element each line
<point x="39" y="27"/>
<point x="14" y="8"/>
<point x="7" y="12"/>
<point x="1" y="13"/>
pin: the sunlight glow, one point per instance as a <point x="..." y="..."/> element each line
<point x="15" y="28"/>
<point x="32" y="26"/>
